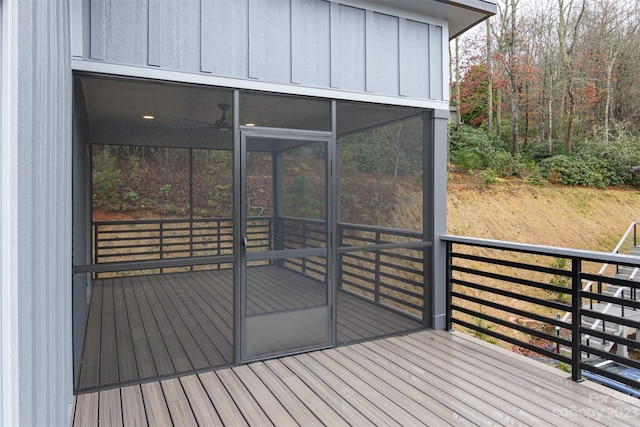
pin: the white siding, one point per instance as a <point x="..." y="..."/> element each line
<point x="35" y="214"/>
<point x="312" y="43"/>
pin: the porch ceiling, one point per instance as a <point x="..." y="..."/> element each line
<point x="184" y="114"/>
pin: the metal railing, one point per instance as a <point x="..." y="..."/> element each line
<point x="156" y="244"/>
<point x="514" y="293"/>
<point x="383" y="265"/>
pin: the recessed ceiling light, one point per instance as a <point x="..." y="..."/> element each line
<point x="148" y="117"/>
<point x="250" y="124"/>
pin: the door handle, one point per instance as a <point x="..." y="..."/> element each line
<point x="245" y="244"/>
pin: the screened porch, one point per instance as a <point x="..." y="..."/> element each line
<point x="215" y="227"/>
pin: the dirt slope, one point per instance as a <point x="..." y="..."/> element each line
<point x="580" y="218"/>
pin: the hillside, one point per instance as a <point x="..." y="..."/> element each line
<point x="572" y="217"/>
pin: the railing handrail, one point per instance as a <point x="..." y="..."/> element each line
<point x="586" y="255"/>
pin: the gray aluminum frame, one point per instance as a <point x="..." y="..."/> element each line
<point x="294" y="330"/>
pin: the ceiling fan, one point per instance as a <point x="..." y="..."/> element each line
<point x="222" y="124"/>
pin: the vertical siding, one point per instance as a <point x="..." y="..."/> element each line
<point x="436" y="73"/>
<point x="385" y="65"/>
<point x="315" y="43"/>
<point x="174" y="34"/>
<point x="270" y="40"/>
<point x="225" y="38"/>
<point x="311" y="39"/>
<point x="351" y="48"/>
<point x="414" y="59"/>
<point x="36" y="214"/>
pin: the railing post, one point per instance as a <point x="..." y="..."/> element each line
<point x="377" y="270"/>
<point x="191" y="237"/>
<point x="95" y="247"/>
<point x="304" y="246"/>
<point x="161" y="228"/>
<point x="576" y="319"/>
<point x="449" y="261"/>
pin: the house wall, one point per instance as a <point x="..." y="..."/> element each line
<point x="306" y="43"/>
<point x="35" y="214"/>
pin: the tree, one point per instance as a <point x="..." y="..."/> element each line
<point x="568" y="34"/>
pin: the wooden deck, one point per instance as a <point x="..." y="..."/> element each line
<point x="428" y="378"/>
<point x="156" y="326"/>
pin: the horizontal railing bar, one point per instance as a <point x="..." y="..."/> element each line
<point x="401" y="268"/>
<point x="625" y="302"/>
<point x="524" y="329"/>
<point x="612" y="376"/>
<point x="611" y="281"/>
<point x="545" y="250"/>
<point x="608" y="337"/>
<point x="400" y="301"/>
<point x="514" y="295"/>
<point x="165" y="221"/>
<point x="358" y="286"/>
<point x="511" y="279"/>
<point x="402" y="257"/>
<point x="403" y="291"/>
<point x="151" y="264"/>
<point x="357" y="276"/>
<point x="381" y="247"/>
<point x="514" y="341"/>
<point x="412" y="283"/>
<point x="610" y="318"/>
<point x="393" y="231"/>
<point x="513" y="310"/>
<point x="514" y="264"/>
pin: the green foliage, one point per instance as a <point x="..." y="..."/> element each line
<point x="534" y="177"/>
<point x="473" y="148"/>
<point x="480" y="323"/>
<point x="503" y="164"/>
<point x="106" y="179"/>
<point x="467" y="159"/>
<point x="394" y="149"/>
<point x="580" y="169"/>
<point x="559" y="280"/>
<point x="489" y="176"/>
<point x="131" y="196"/>
<point x="299" y="200"/>
<point x="220" y="200"/>
<point x="166" y="189"/>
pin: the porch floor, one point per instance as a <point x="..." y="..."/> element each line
<point x="145" y="327"/>
<point x="424" y="378"/>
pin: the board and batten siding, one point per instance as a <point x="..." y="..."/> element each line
<point x="310" y="43"/>
<point x="35" y="214"/>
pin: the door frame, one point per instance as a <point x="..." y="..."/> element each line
<point x="244" y="330"/>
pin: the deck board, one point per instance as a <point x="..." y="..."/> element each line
<point x="133" y="413"/>
<point x="110" y="414"/>
<point x="145" y="364"/>
<point x="423" y="378"/>
<point x="126" y="358"/>
<point x="158" y="326"/>
<point x="223" y="401"/>
<point x="179" y="407"/>
<point x="203" y="410"/>
<point x="155" y="404"/>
